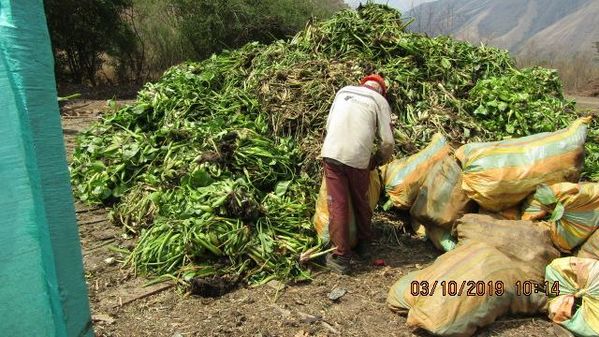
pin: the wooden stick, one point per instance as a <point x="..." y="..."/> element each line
<point x="144" y="295"/>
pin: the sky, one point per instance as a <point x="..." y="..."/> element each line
<point x="400" y="4"/>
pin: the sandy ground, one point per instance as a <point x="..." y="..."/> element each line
<point x="591" y="103"/>
<point x="122" y="306"/>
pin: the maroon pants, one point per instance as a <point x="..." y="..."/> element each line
<point x="345" y="183"/>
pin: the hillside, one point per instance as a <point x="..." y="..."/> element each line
<point x="576" y="32"/>
<point x="541" y="27"/>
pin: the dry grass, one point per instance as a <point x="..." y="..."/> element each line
<point x="577" y="72"/>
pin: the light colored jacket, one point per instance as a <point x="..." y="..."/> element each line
<point x="357" y="117"/>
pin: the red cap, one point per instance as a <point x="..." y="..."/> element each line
<point x="376" y="78"/>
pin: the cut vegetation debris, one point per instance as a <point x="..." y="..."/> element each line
<point x="214" y="166"/>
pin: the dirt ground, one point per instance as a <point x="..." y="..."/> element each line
<point x="122" y="306"/>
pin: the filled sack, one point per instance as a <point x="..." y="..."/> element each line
<point x="512" y="213"/>
<point x="463" y="290"/>
<point x="400" y="297"/>
<point x="572" y="209"/>
<point x="321" y="217"/>
<point x="573" y="287"/>
<point x="441" y="199"/>
<point x="499" y="175"/>
<point x="590" y="248"/>
<point x="524" y="241"/>
<point x="441" y="237"/>
<point x="403" y="177"/>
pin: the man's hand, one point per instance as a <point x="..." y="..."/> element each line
<point x="372" y="165"/>
<point x="375" y="161"/>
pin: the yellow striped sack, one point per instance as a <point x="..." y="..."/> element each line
<point x="578" y="281"/>
<point x="403" y="177"/>
<point x="321" y="217"/>
<point x="437" y="302"/>
<point x="573" y="210"/>
<point x="499" y="175"/>
<point x="441" y="199"/>
<point x="590" y="248"/>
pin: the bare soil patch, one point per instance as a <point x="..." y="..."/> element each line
<point x="587" y="102"/>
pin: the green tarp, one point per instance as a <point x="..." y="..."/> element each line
<point x="42" y="285"/>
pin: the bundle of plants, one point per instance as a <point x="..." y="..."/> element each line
<point x="222" y="229"/>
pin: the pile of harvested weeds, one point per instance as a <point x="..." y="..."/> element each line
<point x="214" y="166"/>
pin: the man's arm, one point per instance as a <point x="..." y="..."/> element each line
<point x="385" y="131"/>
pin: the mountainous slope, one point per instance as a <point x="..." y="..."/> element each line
<point x="575" y="32"/>
<point x="546" y="27"/>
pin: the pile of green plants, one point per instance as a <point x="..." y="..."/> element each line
<point x="215" y="165"/>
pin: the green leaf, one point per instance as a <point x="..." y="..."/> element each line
<point x="198" y="178"/>
<point x="140" y="108"/>
<point x="189" y="275"/>
<point x="481" y="110"/>
<point x="387" y="206"/>
<point x="155" y="197"/>
<point x="102" y="192"/>
<point x="282" y="187"/>
<point x="130" y="151"/>
<point x="445" y="63"/>
<point x="558" y="212"/>
<point x="98" y="166"/>
<point x="119" y="191"/>
<point x="545" y="195"/>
